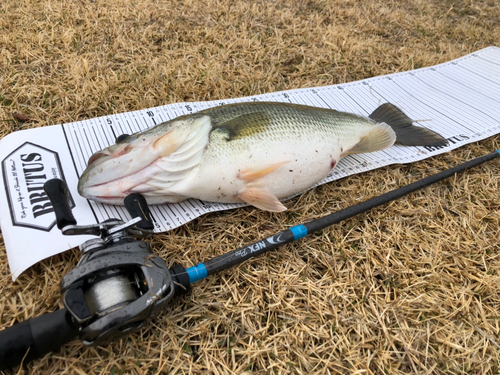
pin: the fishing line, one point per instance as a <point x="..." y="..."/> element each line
<point x="110" y="293"/>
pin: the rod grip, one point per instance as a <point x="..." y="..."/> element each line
<point x="58" y="193"/>
<point x="35" y="337"/>
<point x="137" y="206"/>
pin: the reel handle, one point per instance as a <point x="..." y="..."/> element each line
<point x="137" y="206"/>
<point x="58" y="193"/>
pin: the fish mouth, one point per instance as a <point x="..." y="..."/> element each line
<point x="114" y="171"/>
<point x="146" y="162"/>
<point x="114" y="191"/>
<point x="113" y="152"/>
<point x="111" y="174"/>
<point x="96" y="156"/>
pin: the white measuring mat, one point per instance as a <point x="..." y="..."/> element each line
<point x="461" y="98"/>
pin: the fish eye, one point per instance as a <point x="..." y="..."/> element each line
<point x="121" y="138"/>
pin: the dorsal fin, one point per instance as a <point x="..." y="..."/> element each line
<point x="406" y="133"/>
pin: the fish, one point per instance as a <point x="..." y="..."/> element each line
<point x="257" y="153"/>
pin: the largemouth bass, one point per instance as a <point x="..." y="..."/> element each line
<point x="257" y="153"/>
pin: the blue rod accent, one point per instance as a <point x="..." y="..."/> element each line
<point x="299" y="231"/>
<point x="498" y="152"/>
<point x="197" y="273"/>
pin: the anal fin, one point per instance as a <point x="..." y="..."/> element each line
<point x="261" y="199"/>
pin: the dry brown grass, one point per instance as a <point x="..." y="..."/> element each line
<point x="411" y="287"/>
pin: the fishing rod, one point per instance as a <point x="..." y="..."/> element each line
<point x="119" y="284"/>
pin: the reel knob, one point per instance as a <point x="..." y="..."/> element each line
<point x="58" y="193"/>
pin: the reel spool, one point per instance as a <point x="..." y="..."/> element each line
<point x="116" y="290"/>
<point x="110" y="294"/>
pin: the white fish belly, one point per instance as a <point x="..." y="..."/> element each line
<point x="218" y="178"/>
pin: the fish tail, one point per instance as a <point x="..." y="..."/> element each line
<point x="406" y="133"/>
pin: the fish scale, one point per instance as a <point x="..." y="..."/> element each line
<point x="257" y="152"/>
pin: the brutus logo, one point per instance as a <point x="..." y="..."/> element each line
<point x="25" y="171"/>
<point x="452" y="140"/>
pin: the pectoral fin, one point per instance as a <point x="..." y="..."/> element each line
<point x="261" y="199"/>
<point x="249" y="175"/>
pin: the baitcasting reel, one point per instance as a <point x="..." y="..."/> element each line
<point x="116" y="288"/>
<point x="118" y="284"/>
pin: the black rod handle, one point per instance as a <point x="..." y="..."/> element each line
<point x="35" y="337"/>
<point x="58" y="193"/>
<point x="137" y="206"/>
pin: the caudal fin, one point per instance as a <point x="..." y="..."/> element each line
<point x="406" y="133"/>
